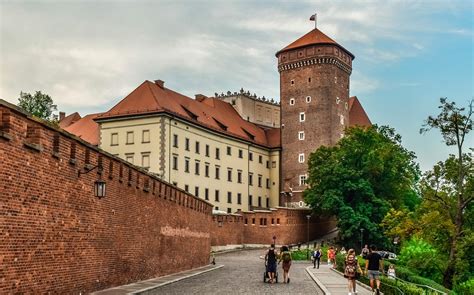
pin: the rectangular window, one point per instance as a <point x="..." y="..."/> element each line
<point x="239" y="176"/>
<point x="301" y="158"/>
<point x="197" y="147"/>
<point x="268" y="182"/>
<point x="268" y="164"/>
<point x="278" y="220"/>
<point x="268" y="203"/>
<point x="229" y="151"/>
<point x="302" y="117"/>
<point x="207" y="150"/>
<point x="186" y="144"/>
<point x="175" y="140"/>
<point x="218" y="152"/>
<point x="175" y="162"/>
<point x="186" y="188"/>
<point x="129" y="158"/>
<point x="259" y="201"/>
<point x="129" y="137"/>
<point x="301" y="135"/>
<point x="206" y="194"/>
<point x="196" y="191"/>
<point x="241" y="154"/>
<point x="229" y="197"/>
<point x="250" y="200"/>
<point x="229" y="210"/>
<point x="250" y="156"/>
<point x="114" y="139"/>
<point x="196" y="168"/>
<point x="229" y="174"/>
<point x="250" y="178"/>
<point x="146" y="160"/>
<point x="239" y="198"/>
<point x="302" y="179"/>
<point x="259" y="180"/>
<point x="216" y="196"/>
<point x="145" y="136"/>
<point x="206" y="170"/>
<point x="253" y="221"/>
<point x="218" y="170"/>
<point x="260" y="159"/>
<point x="186" y="165"/>
<point x="274" y="164"/>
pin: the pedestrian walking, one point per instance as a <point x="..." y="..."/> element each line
<point x="373" y="266"/>
<point x="285" y="257"/>
<point x="365" y="251"/>
<point x="317" y="257"/>
<point x="271" y="263"/>
<point x="332" y="257"/>
<point x="351" y="271"/>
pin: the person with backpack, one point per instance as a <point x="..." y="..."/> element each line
<point x="351" y="270"/>
<point x="271" y="263"/>
<point x="316" y="257"/>
<point x="285" y="256"/>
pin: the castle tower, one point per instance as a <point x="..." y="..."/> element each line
<point x="314" y="95"/>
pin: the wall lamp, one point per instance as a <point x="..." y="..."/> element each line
<point x="99" y="185"/>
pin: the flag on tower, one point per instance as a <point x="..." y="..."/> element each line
<point x="313" y="17"/>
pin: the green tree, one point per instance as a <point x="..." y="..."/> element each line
<point x="451" y="181"/>
<point x="39" y="105"/>
<point x="360" y="179"/>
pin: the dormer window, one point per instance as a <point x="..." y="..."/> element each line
<point x="189" y="113"/>
<point x="222" y="126"/>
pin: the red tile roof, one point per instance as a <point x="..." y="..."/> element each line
<point x="311" y="38"/>
<point x="211" y="113"/>
<point x="74" y="117"/>
<point x="357" y="114"/>
<point x="86" y="128"/>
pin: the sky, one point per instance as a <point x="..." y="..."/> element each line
<point x="88" y="55"/>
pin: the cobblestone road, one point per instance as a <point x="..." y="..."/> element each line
<point x="243" y="274"/>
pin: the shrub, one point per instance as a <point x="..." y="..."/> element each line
<point x="423" y="259"/>
<point x="466" y="287"/>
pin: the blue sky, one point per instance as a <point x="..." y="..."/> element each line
<point x="89" y="54"/>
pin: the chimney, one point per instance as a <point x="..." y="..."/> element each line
<point x="160" y="83"/>
<point x="62" y="115"/>
<point x="200" y="97"/>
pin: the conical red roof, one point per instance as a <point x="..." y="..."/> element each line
<point x="311" y="38"/>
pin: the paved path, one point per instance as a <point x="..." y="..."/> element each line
<point x="241" y="272"/>
<point x="333" y="282"/>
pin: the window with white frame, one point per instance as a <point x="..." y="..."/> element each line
<point x="301" y="158"/>
<point x="308" y="99"/>
<point x="301" y="135"/>
<point x="302" y="117"/>
<point x="302" y="179"/>
<point x="292" y="101"/>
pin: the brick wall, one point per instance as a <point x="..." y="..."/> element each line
<point x="289" y="225"/>
<point x="56" y="236"/>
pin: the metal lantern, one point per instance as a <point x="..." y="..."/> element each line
<point x="99" y="188"/>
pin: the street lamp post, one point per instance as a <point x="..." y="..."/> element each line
<point x="307" y="236"/>
<point x="361" y="238"/>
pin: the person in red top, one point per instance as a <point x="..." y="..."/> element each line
<point x="332" y="256"/>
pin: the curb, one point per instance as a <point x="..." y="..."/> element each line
<point x="317" y="281"/>
<point x="175" y="280"/>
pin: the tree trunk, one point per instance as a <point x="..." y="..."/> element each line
<point x="450" y="270"/>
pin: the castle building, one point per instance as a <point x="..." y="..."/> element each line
<point x="236" y="150"/>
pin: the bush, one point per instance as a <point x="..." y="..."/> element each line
<point x="466" y="287"/>
<point x="423" y="259"/>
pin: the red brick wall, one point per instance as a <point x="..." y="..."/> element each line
<point x="57" y="237"/>
<point x="288" y="225"/>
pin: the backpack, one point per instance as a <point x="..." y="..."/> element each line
<point x="317" y="254"/>
<point x="286" y="257"/>
<point x="351" y="266"/>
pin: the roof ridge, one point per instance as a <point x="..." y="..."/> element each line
<point x="153" y="93"/>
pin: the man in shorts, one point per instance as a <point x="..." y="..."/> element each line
<point x="373" y="266"/>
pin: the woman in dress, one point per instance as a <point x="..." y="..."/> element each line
<point x="351" y="270"/>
